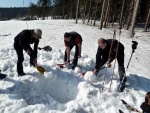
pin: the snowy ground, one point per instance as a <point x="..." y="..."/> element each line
<point x="64" y="90"/>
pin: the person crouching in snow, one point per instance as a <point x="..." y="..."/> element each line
<point x="145" y="106"/>
<point x="22" y="42"/>
<point x="72" y="39"/>
<point x="103" y="54"/>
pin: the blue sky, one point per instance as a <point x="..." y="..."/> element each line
<point x="16" y="3"/>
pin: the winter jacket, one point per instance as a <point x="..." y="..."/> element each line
<point x="75" y="39"/>
<point x="145" y="107"/>
<point x="24" y="39"/>
<point x="103" y="54"/>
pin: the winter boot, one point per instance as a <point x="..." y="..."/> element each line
<point x="122" y="84"/>
<point x="2" y="76"/>
<point x="21" y="74"/>
<point x="121" y="87"/>
<point x="73" y="66"/>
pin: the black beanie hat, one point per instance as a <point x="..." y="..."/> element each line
<point x="66" y="35"/>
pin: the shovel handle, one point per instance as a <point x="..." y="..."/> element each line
<point x="65" y="63"/>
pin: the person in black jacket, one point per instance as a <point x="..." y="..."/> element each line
<point x="103" y="54"/>
<point x="145" y="106"/>
<point x="72" y="39"/>
<point x="22" y="42"/>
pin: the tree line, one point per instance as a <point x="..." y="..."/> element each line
<point x="126" y="12"/>
<point x="96" y="12"/>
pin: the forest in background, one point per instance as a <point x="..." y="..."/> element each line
<point x="127" y="13"/>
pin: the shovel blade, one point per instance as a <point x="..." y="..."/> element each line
<point x="40" y="69"/>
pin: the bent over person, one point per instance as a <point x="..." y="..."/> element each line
<point x="103" y="54"/>
<point x="72" y="39"/>
<point x="22" y="42"/>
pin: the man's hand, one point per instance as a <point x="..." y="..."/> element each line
<point x="68" y="60"/>
<point x="108" y="64"/>
<point x="28" y="52"/>
<point x="33" y="61"/>
<point x="95" y="71"/>
<point x="79" y="56"/>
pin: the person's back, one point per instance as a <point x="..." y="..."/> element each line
<point x="24" y="35"/>
<point x="74" y="34"/>
<point x="75" y="39"/>
<point x="114" y="46"/>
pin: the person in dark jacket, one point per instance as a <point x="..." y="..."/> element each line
<point x="72" y="39"/>
<point x="102" y="55"/>
<point x="22" y="42"/>
<point x="145" y="106"/>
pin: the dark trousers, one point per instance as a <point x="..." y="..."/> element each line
<point x="75" y="60"/>
<point x="19" y="52"/>
<point x="121" y="69"/>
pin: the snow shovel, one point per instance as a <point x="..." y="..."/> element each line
<point x="62" y="65"/>
<point x="40" y="68"/>
<point x="46" y="48"/>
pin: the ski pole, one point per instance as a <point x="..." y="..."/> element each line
<point x="134" y="46"/>
<point x="129" y="107"/>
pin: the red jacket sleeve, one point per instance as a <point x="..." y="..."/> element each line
<point x="78" y="40"/>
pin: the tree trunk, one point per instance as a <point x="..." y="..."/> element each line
<point x="102" y="13"/>
<point x="95" y="13"/>
<point x="129" y="17"/>
<point x="89" y="12"/>
<point x="134" y="18"/>
<point x="84" y="12"/>
<point x="63" y="11"/>
<point x="147" y="21"/>
<point x="77" y="11"/>
<point x="66" y="9"/>
<point x="121" y="16"/>
<point x="113" y="19"/>
<point x="72" y="9"/>
<point x="106" y="15"/>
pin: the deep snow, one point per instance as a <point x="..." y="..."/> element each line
<point x="65" y="90"/>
